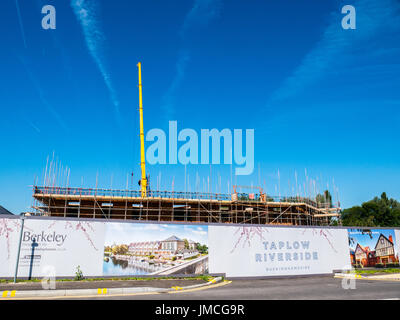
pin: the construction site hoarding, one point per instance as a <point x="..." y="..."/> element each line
<point x="51" y="247"/>
<point x="58" y="246"/>
<point x="255" y="251"/>
<point x="9" y="237"/>
<point x="397" y="235"/>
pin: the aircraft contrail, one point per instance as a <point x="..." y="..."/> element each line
<point x="20" y="23"/>
<point x="86" y="13"/>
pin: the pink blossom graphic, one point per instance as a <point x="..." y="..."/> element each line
<point x="7" y="228"/>
<point x="324" y="234"/>
<point x="84" y="226"/>
<point x="246" y="234"/>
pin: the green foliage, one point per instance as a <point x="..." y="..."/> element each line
<point x="243" y="197"/>
<point x="173" y="258"/>
<point x="324" y="198"/>
<point x="269" y="198"/>
<point x="378" y="212"/>
<point x="78" y="274"/>
<point x="203" y="249"/>
<point x="369" y="271"/>
<point x="334" y="222"/>
<point x="198" y="277"/>
<point x="192" y="258"/>
<point x="392" y="265"/>
<point x="121" y="249"/>
<point x="186" y="243"/>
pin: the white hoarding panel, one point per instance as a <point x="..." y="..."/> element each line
<point x="9" y="236"/>
<point x="265" y="251"/>
<point x="397" y="241"/>
<point x="54" y="247"/>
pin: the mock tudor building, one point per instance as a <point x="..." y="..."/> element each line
<point x="371" y="259"/>
<point x="364" y="256"/>
<point x="384" y="253"/>
<point x="384" y="250"/>
<point x="361" y="255"/>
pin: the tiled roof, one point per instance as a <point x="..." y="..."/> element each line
<point x="4" y="211"/>
<point x="366" y="249"/>
<point x="382" y="235"/>
<point x="173" y="238"/>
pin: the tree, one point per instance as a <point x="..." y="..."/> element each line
<point x="324" y="198"/>
<point x="186" y="243"/>
<point x="203" y="249"/>
<point x="121" y="249"/>
<point x="378" y="212"/>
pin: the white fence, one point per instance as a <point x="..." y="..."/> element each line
<point x="61" y="245"/>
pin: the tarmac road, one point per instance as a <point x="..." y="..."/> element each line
<point x="315" y="288"/>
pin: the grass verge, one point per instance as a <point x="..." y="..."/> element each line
<point x="374" y="271"/>
<point x="202" y="277"/>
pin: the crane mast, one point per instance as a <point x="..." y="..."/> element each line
<point x="143" y="181"/>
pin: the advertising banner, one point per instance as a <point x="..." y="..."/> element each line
<point x="52" y="247"/>
<point x="373" y="248"/>
<point x="266" y="251"/>
<point x="114" y="248"/>
<point x="155" y="249"/>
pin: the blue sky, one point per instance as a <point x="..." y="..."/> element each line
<point x="323" y="101"/>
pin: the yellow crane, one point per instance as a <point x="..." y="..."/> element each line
<point x="143" y="181"/>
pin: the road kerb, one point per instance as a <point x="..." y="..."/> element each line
<point x="96" y="292"/>
<point x="384" y="277"/>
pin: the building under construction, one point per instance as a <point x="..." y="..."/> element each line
<point x="148" y="205"/>
<point x="190" y="207"/>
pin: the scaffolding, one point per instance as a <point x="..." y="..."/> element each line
<point x="190" y="207"/>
